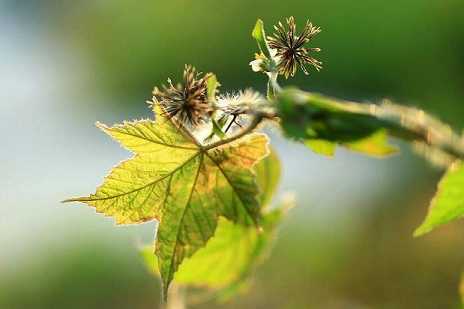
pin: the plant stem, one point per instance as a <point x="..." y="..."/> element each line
<point x="273" y="87"/>
<point x="258" y="117"/>
<point x="415" y="125"/>
<point x="344" y="119"/>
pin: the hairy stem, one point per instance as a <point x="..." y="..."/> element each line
<point x="414" y="125"/>
<point x="342" y="120"/>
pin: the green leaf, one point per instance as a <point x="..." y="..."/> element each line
<point x="321" y="146"/>
<point x="183" y="185"/>
<point x="267" y="176"/>
<point x="448" y="203"/>
<point x="322" y="123"/>
<point x="212" y="89"/>
<point x="230" y="256"/>
<point x="260" y="36"/>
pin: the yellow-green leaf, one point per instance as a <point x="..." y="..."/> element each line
<point x="320" y="146"/>
<point x="448" y="203"/>
<point x="185" y="186"/>
<point x="375" y="145"/>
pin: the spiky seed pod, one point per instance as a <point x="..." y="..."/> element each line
<point x="290" y="50"/>
<point x="186" y="102"/>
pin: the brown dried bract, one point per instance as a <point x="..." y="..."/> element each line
<point x="187" y="102"/>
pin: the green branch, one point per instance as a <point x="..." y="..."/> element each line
<point x="310" y="116"/>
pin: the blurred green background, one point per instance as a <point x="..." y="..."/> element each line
<point x="347" y="244"/>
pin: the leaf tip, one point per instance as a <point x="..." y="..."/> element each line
<point x="422" y="230"/>
<point x="69" y="200"/>
<point x="75" y="199"/>
<point x="257" y="31"/>
<point x="101" y="126"/>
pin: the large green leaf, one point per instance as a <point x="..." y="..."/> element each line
<point x="185" y="186"/>
<point x="448" y="203"/>
<point x="230" y="256"/>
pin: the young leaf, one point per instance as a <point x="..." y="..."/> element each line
<point x="217" y="129"/>
<point x="212" y="86"/>
<point x="185" y="186"/>
<point x="448" y="203"/>
<point x="260" y="36"/>
<point x="229" y="257"/>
